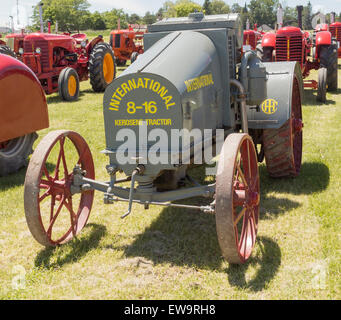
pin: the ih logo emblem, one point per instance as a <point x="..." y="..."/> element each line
<point x="269" y="106"/>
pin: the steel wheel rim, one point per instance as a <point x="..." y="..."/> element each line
<point x="237" y="199"/>
<point x="296" y="127"/>
<point x="56" y="187"/>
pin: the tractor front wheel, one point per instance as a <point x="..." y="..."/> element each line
<point x="101" y="66"/>
<point x="237" y="198"/>
<point x="68" y="84"/>
<point x="134" y="56"/>
<point x="54" y="213"/>
<point x="14" y="153"/>
<point x="322" y="85"/>
<point x="264" y="53"/>
<point x="283" y="146"/>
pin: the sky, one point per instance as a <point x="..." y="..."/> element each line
<point x="8" y="7"/>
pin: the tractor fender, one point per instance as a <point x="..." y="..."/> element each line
<point x="92" y="44"/>
<point x="23" y="105"/>
<point x="269" y="40"/>
<point x="323" y="38"/>
<point x="275" y="110"/>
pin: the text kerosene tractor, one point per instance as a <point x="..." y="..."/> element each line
<point x="23" y="111"/>
<point x="293" y="44"/>
<point x="126" y="44"/>
<point x="151" y="111"/>
<point x="61" y="61"/>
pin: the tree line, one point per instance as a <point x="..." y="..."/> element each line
<point x="74" y="15"/>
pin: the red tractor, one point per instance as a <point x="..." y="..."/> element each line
<point x="23" y="111"/>
<point x="335" y="29"/>
<point x="293" y="44"/>
<point x="127" y="44"/>
<point x="14" y="45"/>
<point x="252" y="37"/>
<point x="61" y="61"/>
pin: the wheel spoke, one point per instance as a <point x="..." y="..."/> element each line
<point x="44" y="195"/>
<point x="242" y="175"/>
<point x="63" y="156"/>
<point x="44" y="184"/>
<point x="240" y="215"/>
<point x="54" y="218"/>
<point x="73" y="216"/>
<point x="248" y="158"/>
<point x="47" y="175"/>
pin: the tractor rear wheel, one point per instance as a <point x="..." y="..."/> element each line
<point x="14" y="153"/>
<point x="264" y="53"/>
<point x="329" y="60"/>
<point x="322" y="85"/>
<point x="54" y="213"/>
<point x="8" y="51"/>
<point x="68" y="84"/>
<point x="283" y="146"/>
<point x="237" y="198"/>
<point x="101" y="66"/>
<point x="134" y="56"/>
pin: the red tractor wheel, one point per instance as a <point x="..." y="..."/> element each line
<point x="283" y="146"/>
<point x="55" y="214"/>
<point x="322" y="85"/>
<point x="237" y="198"/>
<point x="68" y="84"/>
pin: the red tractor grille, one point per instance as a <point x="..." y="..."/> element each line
<point x="44" y="57"/>
<point x="250" y="39"/>
<point x="336" y="32"/>
<point x="289" y="48"/>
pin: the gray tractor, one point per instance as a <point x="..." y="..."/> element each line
<point x="190" y="87"/>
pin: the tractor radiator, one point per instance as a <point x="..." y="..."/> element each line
<point x="29" y="47"/>
<point x="289" y="48"/>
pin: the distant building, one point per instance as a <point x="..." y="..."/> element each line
<point x="265" y="28"/>
<point x="5" y="30"/>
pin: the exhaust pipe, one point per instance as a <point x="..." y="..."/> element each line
<point x="332" y="17"/>
<point x="299" y="16"/>
<point x="41" y="17"/>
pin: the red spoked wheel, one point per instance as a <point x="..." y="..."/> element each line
<point x="237" y="198"/>
<point x="283" y="146"/>
<point x="53" y="213"/>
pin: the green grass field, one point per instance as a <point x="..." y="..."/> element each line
<point x="172" y="253"/>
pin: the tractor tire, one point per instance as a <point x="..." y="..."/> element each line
<point x="8" y="51"/>
<point x="322" y="85"/>
<point x="14" y="154"/>
<point x="329" y="60"/>
<point x="264" y="54"/>
<point x="68" y="84"/>
<point x="283" y="146"/>
<point x="121" y="63"/>
<point x="102" y="67"/>
<point x="134" y="56"/>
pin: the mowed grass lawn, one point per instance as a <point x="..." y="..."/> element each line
<point x="172" y="253"/>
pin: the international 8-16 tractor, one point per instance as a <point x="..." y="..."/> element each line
<point x="293" y="44"/>
<point x="190" y="88"/>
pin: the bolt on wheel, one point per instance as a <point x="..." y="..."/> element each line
<point x="53" y="213"/>
<point x="237" y="198"/>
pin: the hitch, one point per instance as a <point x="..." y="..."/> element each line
<point x="139" y="170"/>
